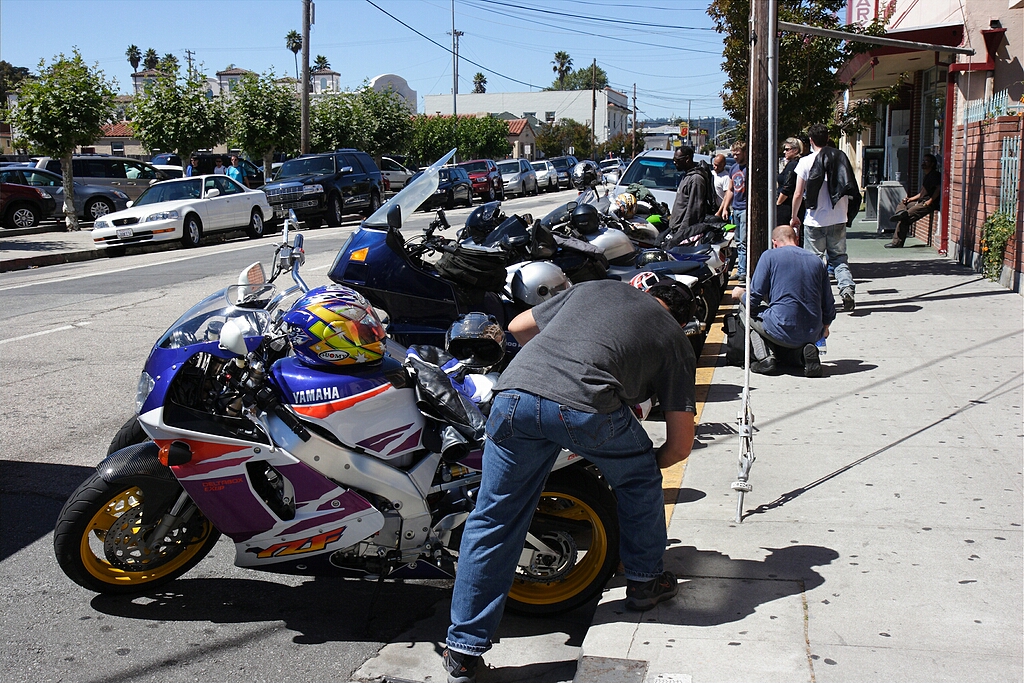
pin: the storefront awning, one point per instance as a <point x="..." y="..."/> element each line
<point x="882" y="66"/>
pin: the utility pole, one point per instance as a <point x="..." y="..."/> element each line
<point x="307" y="11"/>
<point x="593" y="110"/>
<point x="757" y="135"/>
<point x="634" y="120"/>
<point x="455" y="77"/>
<point x="689" y="122"/>
<point x="188" y="58"/>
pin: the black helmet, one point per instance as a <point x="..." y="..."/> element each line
<point x="647" y="256"/>
<point x="585" y="219"/>
<point x="679" y="298"/>
<point x="585" y="174"/>
<point x="483" y="220"/>
<point x="477" y="340"/>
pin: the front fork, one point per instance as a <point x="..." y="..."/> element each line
<point x="180" y="513"/>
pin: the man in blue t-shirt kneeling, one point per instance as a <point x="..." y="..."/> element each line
<point x="791" y="306"/>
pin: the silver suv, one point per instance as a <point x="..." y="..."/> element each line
<point x="127" y="175"/>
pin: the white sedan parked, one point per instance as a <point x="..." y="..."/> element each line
<point x="185" y="210"/>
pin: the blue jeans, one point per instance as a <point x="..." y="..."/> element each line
<point x="828" y="243"/>
<point x="525" y="433"/>
<point x="739" y="219"/>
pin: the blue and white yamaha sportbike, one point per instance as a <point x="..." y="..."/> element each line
<point x="318" y="447"/>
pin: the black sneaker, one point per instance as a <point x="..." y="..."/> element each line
<point x="461" y="667"/>
<point x="848" y="301"/>
<point x="768" y="366"/>
<point x="812" y="361"/>
<point x="643" y="595"/>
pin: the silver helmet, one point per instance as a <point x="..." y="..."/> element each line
<point x="538" y="281"/>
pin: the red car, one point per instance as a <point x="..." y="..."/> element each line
<point x="486" y="179"/>
<point x="22" y="206"/>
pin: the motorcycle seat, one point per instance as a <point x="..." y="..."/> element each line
<point x="690" y="249"/>
<point x="673" y="267"/>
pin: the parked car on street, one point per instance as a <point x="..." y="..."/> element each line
<point x="564" y="166"/>
<point x="547" y="175"/>
<point x="91" y="201"/>
<point x="486" y="179"/>
<point x="612" y="169"/>
<point x="22" y="206"/>
<point x="185" y="209"/>
<point x="518" y="177"/>
<point x="395" y="173"/>
<point x="171" y="171"/>
<point x="326" y="186"/>
<point x="120" y="173"/>
<point x="453" y="189"/>
<point x="654" y="170"/>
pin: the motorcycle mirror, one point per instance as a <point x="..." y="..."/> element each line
<point x="571" y="206"/>
<point x="250" y="280"/>
<point x="232" y="338"/>
<point x="395" y="217"/>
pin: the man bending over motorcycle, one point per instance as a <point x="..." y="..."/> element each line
<point x="588" y="354"/>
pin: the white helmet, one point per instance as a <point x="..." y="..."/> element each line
<point x="538" y="281"/>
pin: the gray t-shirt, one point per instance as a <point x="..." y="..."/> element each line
<point x="603" y="344"/>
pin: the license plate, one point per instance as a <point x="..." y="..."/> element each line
<point x="124" y="233"/>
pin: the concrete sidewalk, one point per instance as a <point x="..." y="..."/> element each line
<point x="47" y="244"/>
<point x="882" y="540"/>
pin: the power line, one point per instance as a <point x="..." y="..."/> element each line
<point x="598" y="19"/>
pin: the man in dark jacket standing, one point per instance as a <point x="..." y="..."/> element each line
<point x="825" y="180"/>
<point x="691" y="201"/>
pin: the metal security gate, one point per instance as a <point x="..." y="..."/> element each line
<point x="1009" y="177"/>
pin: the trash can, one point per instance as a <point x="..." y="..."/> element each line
<point x="890" y="193"/>
<point x="871" y="203"/>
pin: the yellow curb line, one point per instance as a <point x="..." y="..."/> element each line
<point x="672" y="478"/>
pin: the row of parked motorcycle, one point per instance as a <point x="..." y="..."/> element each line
<point x="338" y="431"/>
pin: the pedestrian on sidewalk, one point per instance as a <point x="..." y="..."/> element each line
<point x="588" y="354"/>
<point x="193" y="167"/>
<point x="219" y="168"/>
<point x="736" y="202"/>
<point x="913" y="209"/>
<point x="236" y="172"/>
<point x="791" y="306"/>
<point x="691" y="203"/>
<point x="826" y="182"/>
<point x="792" y="150"/>
<point x="721" y="181"/>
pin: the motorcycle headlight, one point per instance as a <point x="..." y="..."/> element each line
<point x="146" y="384"/>
<point x="161" y="216"/>
<point x="101" y="223"/>
<point x="119" y="194"/>
<point x="312" y="189"/>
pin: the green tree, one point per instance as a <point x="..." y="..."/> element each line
<point x="168" y="64"/>
<point x="293" y="41"/>
<point x="556" y="139"/>
<point x="321" y="64"/>
<point x="134" y="55"/>
<point x="808" y="65"/>
<point x="479" y="82"/>
<point x="174" y="114"/>
<point x="10" y="77"/>
<point x="150" y="59"/>
<point x="263" y="117"/>
<point x="475" y="137"/>
<point x="389" y="122"/>
<point x="619" y="145"/>
<point x="338" y="120"/>
<point x="65" y="107"/>
<point x="582" y="79"/>
<point x="562" y="66"/>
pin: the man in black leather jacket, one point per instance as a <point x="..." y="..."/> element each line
<point x="827" y="183"/>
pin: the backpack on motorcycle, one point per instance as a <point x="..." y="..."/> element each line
<point x="711" y="201"/>
<point x="482" y="269"/>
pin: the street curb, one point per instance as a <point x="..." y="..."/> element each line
<point x="49" y="260"/>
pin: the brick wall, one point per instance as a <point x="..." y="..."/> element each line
<point x="974" y="195"/>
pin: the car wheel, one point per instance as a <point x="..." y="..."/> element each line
<point x="256" y="226"/>
<point x="97" y="208"/>
<point x="374" y="204"/>
<point x="501" y="192"/>
<point x="491" y="194"/>
<point x="192" y="231"/>
<point x="469" y="198"/>
<point x="335" y="210"/>
<point x="536" y="188"/>
<point x="22" y="216"/>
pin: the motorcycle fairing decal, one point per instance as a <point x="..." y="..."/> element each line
<point x="323" y="410"/>
<point x="327" y="509"/>
<point x="206" y="457"/>
<point x="302" y="545"/>
<point x="378" y="442"/>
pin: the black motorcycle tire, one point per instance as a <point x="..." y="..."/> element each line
<point x="129" y="434"/>
<point x="578" y="495"/>
<point x="95" y="510"/>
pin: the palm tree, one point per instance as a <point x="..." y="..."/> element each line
<point x="479" y="82"/>
<point x="134" y="56"/>
<point x="562" y="66"/>
<point x="321" y="64"/>
<point x="168" y="64"/>
<point x="151" y="59"/>
<point x="293" y="41"/>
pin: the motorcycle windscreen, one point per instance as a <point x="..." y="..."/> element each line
<point x="411" y="196"/>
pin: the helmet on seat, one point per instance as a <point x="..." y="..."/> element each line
<point x="477" y="340"/>
<point x="679" y="298"/>
<point x="334" y="326"/>
<point x="585" y="174"/>
<point x="538" y="281"/>
<point x="484" y="219"/>
<point x="585" y="219"/>
<point x="624" y="205"/>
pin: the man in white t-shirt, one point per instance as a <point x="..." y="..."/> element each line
<point x="721" y="179"/>
<point x="824" y="222"/>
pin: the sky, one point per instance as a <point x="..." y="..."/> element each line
<point x="669" y="51"/>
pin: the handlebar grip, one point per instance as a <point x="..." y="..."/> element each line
<point x="292" y="422"/>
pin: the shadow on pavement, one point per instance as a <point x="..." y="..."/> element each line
<point x="42" y="245"/>
<point x="901" y="267"/>
<point x="32" y="495"/>
<point x="846" y="367"/>
<point x="716" y="589"/>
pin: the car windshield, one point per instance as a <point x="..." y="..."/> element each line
<point x="475" y="166"/>
<point x="658" y="174"/>
<point x="306" y="166"/>
<point x="508" y="167"/>
<point x="169" y="191"/>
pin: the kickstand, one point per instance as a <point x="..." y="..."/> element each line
<point x="373" y="601"/>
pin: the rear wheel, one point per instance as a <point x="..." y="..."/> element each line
<point x="335" y="211"/>
<point x="491" y="194"/>
<point x="575" y="518"/>
<point x="102" y="543"/>
<point x="22" y="216"/>
<point x="193" y="231"/>
<point x="374" y="204"/>
<point x="256" y="227"/>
